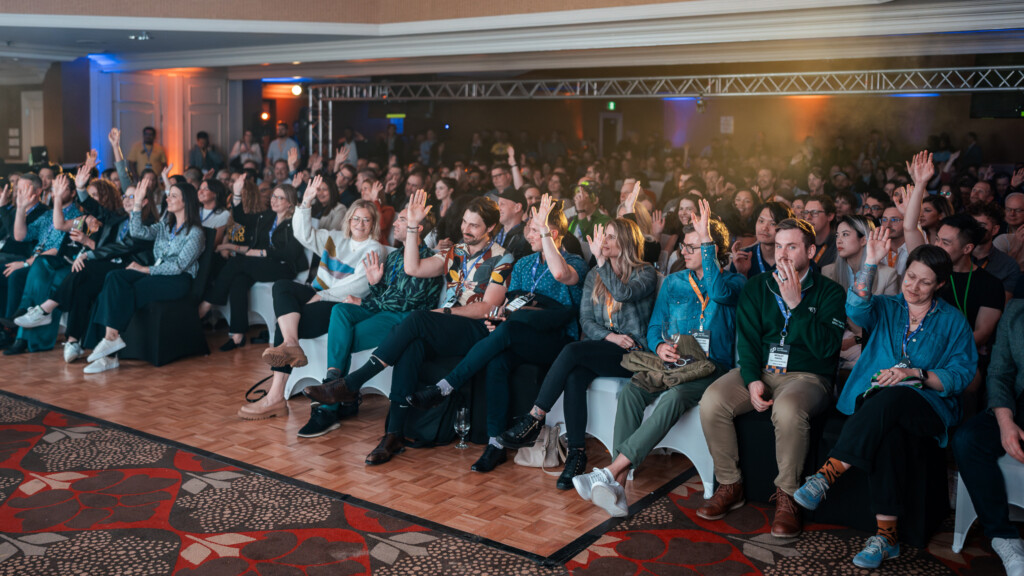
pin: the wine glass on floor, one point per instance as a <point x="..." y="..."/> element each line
<point x="462" y="427"/>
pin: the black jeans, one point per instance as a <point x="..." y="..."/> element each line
<point x="510" y="344"/>
<point x="976" y="446"/>
<point x="234" y="281"/>
<point x="572" y="372"/>
<point x="125" y="291"/>
<point x="292" y="297"/>
<point x="422" y="333"/>
<point x="874" y="439"/>
<point x="77" y="292"/>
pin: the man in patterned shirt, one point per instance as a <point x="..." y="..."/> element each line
<point x="361" y="324"/>
<point x="477" y="272"/>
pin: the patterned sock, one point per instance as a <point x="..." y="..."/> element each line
<point x="832" y="470"/>
<point x="445" y="387"/>
<point x="887" y="530"/>
<point x="364" y="373"/>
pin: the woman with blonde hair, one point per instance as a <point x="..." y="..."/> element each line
<point x="275" y="254"/>
<point x="304" y="311"/>
<point x="618" y="296"/>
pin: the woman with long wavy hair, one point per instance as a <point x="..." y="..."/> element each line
<point x="618" y="297"/>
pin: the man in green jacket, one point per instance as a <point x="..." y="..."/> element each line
<point x="789" y="328"/>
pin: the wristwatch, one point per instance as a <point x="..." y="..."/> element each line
<point x="447" y="310"/>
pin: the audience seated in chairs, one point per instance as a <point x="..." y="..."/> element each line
<point x="477" y="272"/>
<point x="790" y="325"/>
<point x="362" y="324"/>
<point x="700" y="301"/>
<point x="275" y="254"/>
<point x="303" y="310"/>
<point x="918" y="360"/>
<point x="213" y="209"/>
<point x="760" y="257"/>
<point x="546" y="289"/>
<point x="177" y="244"/>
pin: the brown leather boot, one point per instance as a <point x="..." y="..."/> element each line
<point x="390" y="445"/>
<point x="787" y="516"/>
<point x="728" y="497"/>
<point x="332" y="391"/>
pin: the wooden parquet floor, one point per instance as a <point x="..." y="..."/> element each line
<point x="194" y="401"/>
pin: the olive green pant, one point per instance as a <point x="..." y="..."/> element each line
<point x="636" y="437"/>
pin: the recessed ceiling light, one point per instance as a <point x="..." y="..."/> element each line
<point x="141" y="36"/>
<point x="296" y="89"/>
<point x="296" y="63"/>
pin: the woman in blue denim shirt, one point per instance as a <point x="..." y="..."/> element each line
<point x="918" y="360"/>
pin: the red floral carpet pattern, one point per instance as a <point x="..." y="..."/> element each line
<point x="80" y="498"/>
<point x="668" y="539"/>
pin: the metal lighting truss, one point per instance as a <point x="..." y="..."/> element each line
<point x="907" y="81"/>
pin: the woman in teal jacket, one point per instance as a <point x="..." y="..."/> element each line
<point x="918" y="360"/>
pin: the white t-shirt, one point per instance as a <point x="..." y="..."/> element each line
<point x="213" y="219"/>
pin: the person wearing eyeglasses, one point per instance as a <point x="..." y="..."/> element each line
<point x="820" y="212"/>
<point x="274" y="255"/>
<point x="851" y="239"/>
<point x="304" y="310"/>
<point x="700" y="300"/>
<point x="875" y="204"/>
<point x="1012" y="242"/>
<point x="896" y="259"/>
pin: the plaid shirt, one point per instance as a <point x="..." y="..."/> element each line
<point x="399" y="292"/>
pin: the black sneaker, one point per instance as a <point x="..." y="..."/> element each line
<point x="575" y="464"/>
<point x="523" y="433"/>
<point x="426" y="398"/>
<point x="321" y="421"/>
<point x="20" y="346"/>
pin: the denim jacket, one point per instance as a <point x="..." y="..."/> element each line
<point x="679" y="306"/>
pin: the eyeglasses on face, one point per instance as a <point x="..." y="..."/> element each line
<point x="688" y="248"/>
<point x="1015" y="210"/>
<point x="359" y="219"/>
<point x="888" y="220"/>
<point x="811" y="213"/>
<point x="279" y="197"/>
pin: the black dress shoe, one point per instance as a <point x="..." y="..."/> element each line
<point x="492" y="456"/>
<point x="7" y="337"/>
<point x="20" y="346"/>
<point x="230" y="345"/>
<point x="390" y="445"/>
<point x="523" y="433"/>
<point x="262" y="338"/>
<point x="426" y="398"/>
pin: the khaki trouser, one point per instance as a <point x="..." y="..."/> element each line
<point x="797" y="396"/>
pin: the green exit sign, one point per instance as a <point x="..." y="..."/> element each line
<point x="611" y="106"/>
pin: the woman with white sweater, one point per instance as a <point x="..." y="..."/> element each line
<point x="304" y="311"/>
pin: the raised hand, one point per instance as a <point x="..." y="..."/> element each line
<point x="6" y="195"/>
<point x="114" y="137"/>
<point x="878" y="245"/>
<point x="596" y="242"/>
<point x="293" y="159"/>
<point x="921" y="168"/>
<point x="165" y="176"/>
<point x="374" y="267"/>
<point x="901" y="198"/>
<point x="316" y="162"/>
<point x="299" y="178"/>
<point x="209" y="174"/>
<point x="632" y="198"/>
<point x="310" y="194"/>
<point x="377" y="189"/>
<point x="702" y="224"/>
<point x="343" y="153"/>
<point x="542" y="212"/>
<point x="657" y="224"/>
<point x="140" y="191"/>
<point x="418" y="209"/>
<point x="61" y="184"/>
<point x="239" y="184"/>
<point x="82" y="176"/>
<point x="511" y="155"/>
<point x="92" y="158"/>
<point x="1018" y="178"/>
<point x="740" y="258"/>
<point x="391" y="186"/>
<point x="24" y="198"/>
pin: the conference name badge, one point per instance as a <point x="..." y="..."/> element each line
<point x="778" y="359"/>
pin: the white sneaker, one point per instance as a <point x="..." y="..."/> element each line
<point x="72" y="351"/>
<point x="612" y="498"/>
<point x="106" y="348"/>
<point x="585" y="483"/>
<point x="33" y="318"/>
<point x="1011" y="550"/>
<point x="102" y="364"/>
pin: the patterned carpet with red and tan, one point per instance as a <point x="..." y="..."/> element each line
<point x="83" y="496"/>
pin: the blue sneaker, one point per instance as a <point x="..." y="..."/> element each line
<point x="875" y="550"/>
<point x="812" y="492"/>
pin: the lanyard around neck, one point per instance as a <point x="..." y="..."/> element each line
<point x="703" y="299"/>
<point x="967" y="289"/>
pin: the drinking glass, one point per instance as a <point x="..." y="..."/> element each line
<point x="462" y="427"/>
<point x="671" y="337"/>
